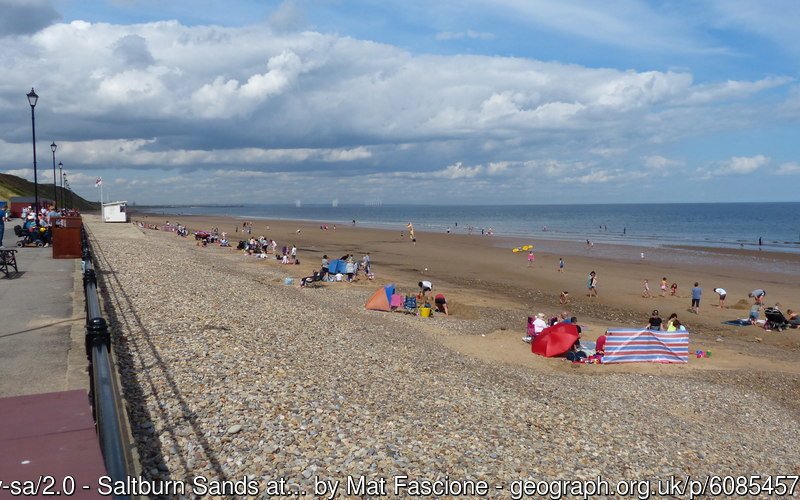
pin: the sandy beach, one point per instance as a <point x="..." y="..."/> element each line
<point x="483" y="278"/>
<point x="229" y="372"/>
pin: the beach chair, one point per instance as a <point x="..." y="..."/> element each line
<point x="410" y="304"/>
<point x="775" y="319"/>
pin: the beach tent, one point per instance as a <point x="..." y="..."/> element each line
<point x="337" y="266"/>
<point x="646" y="346"/>
<point x="381" y="300"/>
<point x="555" y="340"/>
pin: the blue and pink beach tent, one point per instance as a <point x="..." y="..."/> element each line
<point x="381" y="300"/>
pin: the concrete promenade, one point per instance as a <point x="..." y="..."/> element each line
<point x="41" y="323"/>
<point x="46" y="424"/>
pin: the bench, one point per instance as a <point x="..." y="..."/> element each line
<point x="8" y="259"/>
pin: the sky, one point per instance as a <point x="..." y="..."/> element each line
<point x="446" y="102"/>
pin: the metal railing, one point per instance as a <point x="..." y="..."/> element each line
<point x="106" y="402"/>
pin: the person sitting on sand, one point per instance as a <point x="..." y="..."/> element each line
<point x="754" y="313"/>
<point x="654" y="323"/>
<point x="575" y="353"/>
<point x="673" y="289"/>
<point x="793" y="318"/>
<point x="669" y="325"/>
<point x="539" y="324"/>
<point x="441" y="304"/>
<point x="677" y="326"/>
<point x="285" y="258"/>
<point x="563" y="298"/>
<point x="574" y="320"/>
<point x="600" y="345"/>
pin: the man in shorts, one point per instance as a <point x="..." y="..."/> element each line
<point x="758" y="294"/>
<point x="591" y="284"/>
<point x="697" y="292"/>
<point x="425" y="288"/>
<point x="722" y="294"/>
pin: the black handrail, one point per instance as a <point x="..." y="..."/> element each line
<point x="104" y="397"/>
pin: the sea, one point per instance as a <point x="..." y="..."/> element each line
<point x="768" y="226"/>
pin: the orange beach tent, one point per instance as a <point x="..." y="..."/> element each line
<point x="381" y="300"/>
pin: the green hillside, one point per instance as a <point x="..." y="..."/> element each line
<point x="11" y="185"/>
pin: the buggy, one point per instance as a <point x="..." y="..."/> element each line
<point x="30" y="237"/>
<point x="775" y="319"/>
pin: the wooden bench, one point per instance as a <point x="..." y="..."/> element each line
<point x="8" y="259"/>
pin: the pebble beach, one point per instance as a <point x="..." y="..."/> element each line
<point x="228" y="373"/>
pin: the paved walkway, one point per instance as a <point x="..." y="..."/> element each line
<point x="48" y="443"/>
<point x="38" y="309"/>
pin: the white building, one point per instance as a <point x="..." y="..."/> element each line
<point x="115" y="211"/>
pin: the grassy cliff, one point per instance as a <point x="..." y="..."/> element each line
<point x="11" y="185"/>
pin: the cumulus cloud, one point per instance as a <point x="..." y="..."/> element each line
<point x="307" y="105"/>
<point x="132" y="51"/>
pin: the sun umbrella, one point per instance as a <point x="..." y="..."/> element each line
<point x="555" y="340"/>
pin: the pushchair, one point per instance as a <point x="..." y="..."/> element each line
<point x="311" y="281"/>
<point x="775" y="319"/>
<point x="30" y="237"/>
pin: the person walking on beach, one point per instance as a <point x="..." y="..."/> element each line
<point x="664" y="286"/>
<point x="366" y="262"/>
<point x="722" y="294"/>
<point x="591" y="284"/>
<point x="646" y="289"/>
<point x="697" y="292"/>
<point x="561" y="264"/>
<point x="531" y="258"/>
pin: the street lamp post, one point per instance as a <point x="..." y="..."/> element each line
<point x="32" y="100"/>
<point x="53" y="147"/>
<point x="61" y="178"/>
